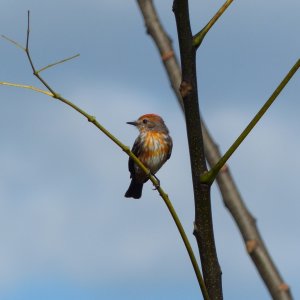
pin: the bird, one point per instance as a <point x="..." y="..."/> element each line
<point x="153" y="147"/>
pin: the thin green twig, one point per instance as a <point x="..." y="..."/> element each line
<point x="24" y="86"/>
<point x="210" y="176"/>
<point x="198" y="38"/>
<point x="13" y="42"/>
<point x="57" y="63"/>
<point x="35" y="73"/>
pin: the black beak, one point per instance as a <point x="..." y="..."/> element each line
<point x="132" y="123"/>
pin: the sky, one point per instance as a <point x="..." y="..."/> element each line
<point x="66" y="230"/>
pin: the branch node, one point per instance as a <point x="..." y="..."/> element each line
<point x="126" y="149"/>
<point x="56" y="95"/>
<point x="148" y="173"/>
<point x="13" y="42"/>
<point x="185" y="89"/>
<point x="208" y="177"/>
<point x="195" y="229"/>
<point x="148" y="30"/>
<point x="283" y="287"/>
<point x="167" y="55"/>
<point x="91" y="119"/>
<point x="251" y="245"/>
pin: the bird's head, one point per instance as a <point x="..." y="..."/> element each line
<point x="150" y="122"/>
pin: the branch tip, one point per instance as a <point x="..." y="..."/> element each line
<point x="56" y="95"/>
<point x="198" y="38"/>
<point x="207" y="177"/>
<point x="28" y="30"/>
<point x="56" y="63"/>
<point x="13" y="42"/>
<point x="29" y="87"/>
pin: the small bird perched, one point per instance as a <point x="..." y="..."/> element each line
<point x="153" y="147"/>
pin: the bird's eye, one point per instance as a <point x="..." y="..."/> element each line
<point x="145" y="121"/>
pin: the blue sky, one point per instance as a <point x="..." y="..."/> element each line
<point x="66" y="231"/>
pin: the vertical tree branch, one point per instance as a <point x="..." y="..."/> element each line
<point x="188" y="88"/>
<point x="228" y="189"/>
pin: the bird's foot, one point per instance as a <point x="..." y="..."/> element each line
<point x="156" y="186"/>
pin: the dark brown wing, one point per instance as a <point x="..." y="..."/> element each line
<point x="136" y="150"/>
<point x="170" y="148"/>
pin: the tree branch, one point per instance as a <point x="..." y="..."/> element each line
<point x="29" y="87"/>
<point x="203" y="230"/>
<point x="13" y="42"/>
<point x="210" y="176"/>
<point x="229" y="191"/>
<point x="198" y="38"/>
<point x="57" y="63"/>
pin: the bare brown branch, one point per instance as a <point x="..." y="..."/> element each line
<point x="203" y="216"/>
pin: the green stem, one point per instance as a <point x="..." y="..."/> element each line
<point x="210" y="176"/>
<point x="186" y="243"/>
<point x="13" y="42"/>
<point x="24" y="86"/>
<point x="198" y="38"/>
<point x="57" y="63"/>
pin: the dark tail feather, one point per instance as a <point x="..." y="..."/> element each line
<point x="134" y="190"/>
